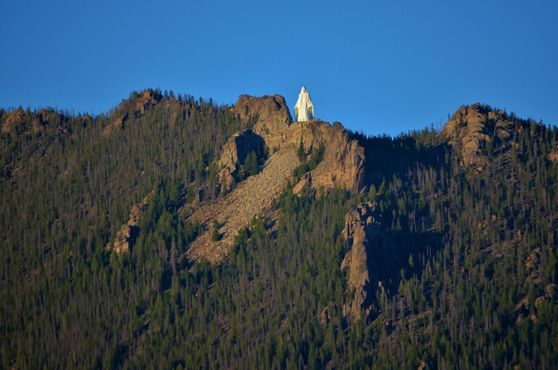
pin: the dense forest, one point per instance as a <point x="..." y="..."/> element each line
<point x="469" y="280"/>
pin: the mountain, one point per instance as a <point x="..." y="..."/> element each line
<point x="172" y="232"/>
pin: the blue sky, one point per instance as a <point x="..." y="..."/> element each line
<point x="377" y="66"/>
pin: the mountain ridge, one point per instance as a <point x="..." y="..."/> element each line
<point x="173" y="232"/>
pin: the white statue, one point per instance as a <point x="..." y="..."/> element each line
<point x="304" y="109"/>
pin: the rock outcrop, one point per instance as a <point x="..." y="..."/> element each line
<point x="473" y="129"/>
<point x="146" y="99"/>
<point x="370" y="255"/>
<point x="270" y="112"/>
<point x="126" y="235"/>
<point x="136" y="107"/>
<point x="233" y="155"/>
<point x="341" y="166"/>
<point x="36" y="122"/>
<point x="343" y="161"/>
<point x="357" y="221"/>
<point x="12" y="120"/>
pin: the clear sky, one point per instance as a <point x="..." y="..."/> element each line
<point x="379" y="66"/>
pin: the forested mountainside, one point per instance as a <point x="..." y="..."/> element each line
<point x="132" y="240"/>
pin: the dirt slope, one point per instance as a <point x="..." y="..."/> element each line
<point x="252" y="197"/>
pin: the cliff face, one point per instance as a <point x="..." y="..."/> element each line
<point x="357" y="224"/>
<point x="475" y="130"/>
<point x="343" y="162"/>
<point x="370" y="257"/>
<point x="271" y="112"/>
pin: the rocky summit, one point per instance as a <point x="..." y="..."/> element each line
<point x="341" y="166"/>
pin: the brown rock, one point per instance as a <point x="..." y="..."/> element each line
<point x="471" y="129"/>
<point x="128" y="232"/>
<point x="342" y="166"/>
<point x="146" y="99"/>
<point x="358" y="222"/>
<point x="233" y="154"/>
<point x="12" y="120"/>
<point x="303" y="184"/>
<point x="124" y="238"/>
<point x="270" y="113"/>
<point x="532" y="260"/>
<point x="343" y="162"/>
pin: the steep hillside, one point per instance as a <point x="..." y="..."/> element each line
<point x="225" y="217"/>
<point x="291" y="147"/>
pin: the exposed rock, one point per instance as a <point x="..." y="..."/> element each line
<point x="553" y="156"/>
<point x="136" y="106"/>
<point x="126" y="235"/>
<point x="146" y="99"/>
<point x="533" y="259"/>
<point x="124" y="238"/>
<point x="472" y="129"/>
<point x="343" y="162"/>
<point x="369" y="256"/>
<point x="270" y="112"/>
<point x="358" y="223"/>
<point x="253" y="197"/>
<point x="233" y="155"/>
<point x="342" y="166"/>
<point x="12" y="120"/>
<point x="41" y="119"/>
<point x="303" y="184"/>
<point x="36" y="122"/>
<point x="304" y="108"/>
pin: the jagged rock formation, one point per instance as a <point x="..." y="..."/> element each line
<point x="139" y="104"/>
<point x="370" y="255"/>
<point x="357" y="222"/>
<point x="270" y="112"/>
<point x="233" y="155"/>
<point x="343" y="162"/>
<point x="472" y="129"/>
<point x="128" y="232"/>
<point x="356" y="259"/>
<point x="304" y="108"/>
